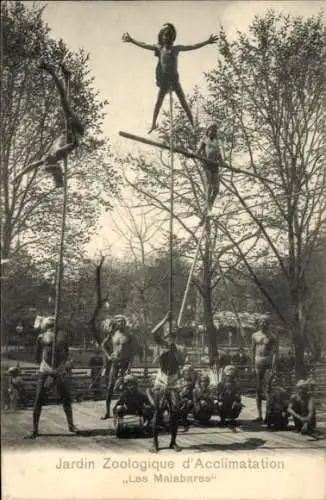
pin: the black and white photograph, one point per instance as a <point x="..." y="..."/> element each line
<point x="163" y="249"/>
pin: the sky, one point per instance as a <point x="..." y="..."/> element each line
<point x="125" y="74"/>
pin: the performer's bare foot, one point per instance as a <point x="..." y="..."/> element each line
<point x="175" y="447"/>
<point x="106" y="416"/>
<point x="73" y="429"/>
<point x="154" y="127"/>
<point x="153" y="449"/>
<point x="32" y="436"/>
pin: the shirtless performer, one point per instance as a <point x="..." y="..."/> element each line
<point x="209" y="149"/>
<point x="68" y="140"/>
<point x="203" y="401"/>
<point x="123" y="352"/>
<point x="49" y="375"/>
<point x="166" y="385"/>
<point x="302" y="408"/>
<point x="167" y="76"/>
<point x="264" y="350"/>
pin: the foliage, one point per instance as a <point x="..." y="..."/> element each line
<point x="31" y="120"/>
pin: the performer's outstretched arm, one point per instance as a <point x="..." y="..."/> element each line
<point x="160" y="325"/>
<point x="127" y="38"/>
<point x="195" y="46"/>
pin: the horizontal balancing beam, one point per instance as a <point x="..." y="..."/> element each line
<point x="188" y="154"/>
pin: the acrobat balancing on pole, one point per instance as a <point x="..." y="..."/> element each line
<point x="167" y="76"/>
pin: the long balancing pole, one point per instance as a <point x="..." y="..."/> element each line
<point x="171" y="213"/>
<point x="184" y="300"/>
<point x="59" y="275"/>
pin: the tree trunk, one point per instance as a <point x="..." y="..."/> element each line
<point x="145" y="331"/>
<point x="4" y="285"/>
<point x="299" y="349"/>
<point x="299" y="340"/>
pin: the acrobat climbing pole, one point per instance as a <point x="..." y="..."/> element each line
<point x="59" y="274"/>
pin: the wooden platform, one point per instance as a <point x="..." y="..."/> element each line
<point x="98" y="435"/>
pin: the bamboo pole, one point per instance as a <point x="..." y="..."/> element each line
<point x="185" y="296"/>
<point x="59" y="274"/>
<point x="171" y="297"/>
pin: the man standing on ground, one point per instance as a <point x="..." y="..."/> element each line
<point x="264" y="350"/>
<point x="52" y="371"/>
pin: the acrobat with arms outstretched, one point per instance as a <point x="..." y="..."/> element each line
<point x="167" y="76"/>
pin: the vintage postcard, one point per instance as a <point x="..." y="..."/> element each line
<point x="163" y="270"/>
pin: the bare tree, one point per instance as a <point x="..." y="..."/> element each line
<point x="271" y="87"/>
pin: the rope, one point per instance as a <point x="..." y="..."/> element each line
<point x="171" y="214"/>
<point x="61" y="250"/>
<point x="185" y="296"/>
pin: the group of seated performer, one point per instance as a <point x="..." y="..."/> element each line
<point x="201" y="400"/>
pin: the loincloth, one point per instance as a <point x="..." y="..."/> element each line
<point x="263" y="364"/>
<point x="167" y="382"/>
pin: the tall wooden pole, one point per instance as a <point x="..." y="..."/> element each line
<point x="185" y="296"/>
<point x="59" y="274"/>
<point x="171" y="213"/>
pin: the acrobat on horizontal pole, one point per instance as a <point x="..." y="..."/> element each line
<point x="189" y="154"/>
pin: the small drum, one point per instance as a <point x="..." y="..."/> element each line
<point x="131" y="426"/>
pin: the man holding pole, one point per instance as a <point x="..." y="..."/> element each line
<point x="52" y="353"/>
<point x="166" y="386"/>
